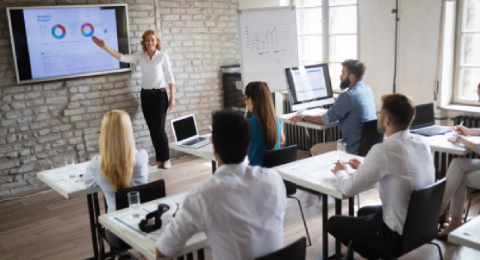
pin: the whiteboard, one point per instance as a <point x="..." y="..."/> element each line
<point x="268" y="40"/>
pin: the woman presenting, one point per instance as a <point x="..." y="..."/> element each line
<point x="156" y="74"/>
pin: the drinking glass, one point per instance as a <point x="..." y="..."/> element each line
<point x="70" y="165"/>
<point x="134" y="202"/>
<point x="341" y="151"/>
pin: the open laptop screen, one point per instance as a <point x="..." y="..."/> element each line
<point x="184" y="128"/>
<point x="423" y="116"/>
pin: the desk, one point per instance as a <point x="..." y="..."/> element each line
<point x="467" y="235"/>
<point x="445" y="151"/>
<point x="315" y="173"/>
<point x="205" y="152"/>
<point x="72" y="188"/>
<point x="295" y="134"/>
<point x="146" y="245"/>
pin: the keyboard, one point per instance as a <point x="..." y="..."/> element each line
<point x="197" y="142"/>
<point x="432" y="130"/>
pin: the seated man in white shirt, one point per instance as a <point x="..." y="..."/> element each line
<point x="240" y="208"/>
<point x="401" y="164"/>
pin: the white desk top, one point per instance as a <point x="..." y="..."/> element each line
<point x="316" y="112"/>
<point x="467" y="234"/>
<point x="315" y="173"/>
<point x="58" y="180"/>
<point x="118" y="223"/>
<point x="205" y="152"/>
<point x="440" y="143"/>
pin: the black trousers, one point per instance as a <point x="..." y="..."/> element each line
<point x="154" y="107"/>
<point x="368" y="232"/>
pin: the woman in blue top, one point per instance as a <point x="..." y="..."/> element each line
<point x="266" y="130"/>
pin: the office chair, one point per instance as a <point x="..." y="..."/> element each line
<point x="148" y="192"/>
<point x="295" y="251"/>
<point x="281" y="156"/>
<point x="370" y="137"/>
<point x="421" y="223"/>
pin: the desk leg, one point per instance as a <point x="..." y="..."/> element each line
<point x="214" y="167"/>
<point x="200" y="254"/>
<point x="338" y="245"/>
<point x="101" y="251"/>
<point x="351" y="204"/>
<point x="324" y="225"/>
<point x="93" y="231"/>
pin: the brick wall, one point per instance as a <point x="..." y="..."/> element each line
<point x="41" y="124"/>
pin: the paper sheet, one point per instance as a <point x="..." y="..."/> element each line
<point x="60" y="174"/>
<point x="125" y="219"/>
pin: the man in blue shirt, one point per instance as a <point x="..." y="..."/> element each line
<point x="351" y="109"/>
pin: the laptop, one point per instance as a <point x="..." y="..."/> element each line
<point x="185" y="132"/>
<point x="424" y="122"/>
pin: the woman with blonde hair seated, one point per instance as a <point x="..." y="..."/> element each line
<point x="266" y="129"/>
<point x="119" y="164"/>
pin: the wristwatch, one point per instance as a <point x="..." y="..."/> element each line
<point x="303" y="118"/>
<point x="456" y="138"/>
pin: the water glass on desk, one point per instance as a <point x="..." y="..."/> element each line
<point x="341" y="151"/>
<point x="70" y="165"/>
<point x="134" y="203"/>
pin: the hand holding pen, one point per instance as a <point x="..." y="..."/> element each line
<point x="460" y="129"/>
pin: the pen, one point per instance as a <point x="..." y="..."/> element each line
<point x="344" y="163"/>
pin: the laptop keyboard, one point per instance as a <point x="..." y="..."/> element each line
<point x="432" y="130"/>
<point x="194" y="141"/>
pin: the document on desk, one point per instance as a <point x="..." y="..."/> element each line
<point x="300" y="169"/>
<point x="61" y="174"/>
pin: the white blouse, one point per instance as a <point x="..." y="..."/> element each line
<point x="94" y="177"/>
<point x="156" y="72"/>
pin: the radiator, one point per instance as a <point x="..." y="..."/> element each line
<point x="442" y="160"/>
<point x="297" y="134"/>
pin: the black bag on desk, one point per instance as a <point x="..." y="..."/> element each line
<point x="157" y="214"/>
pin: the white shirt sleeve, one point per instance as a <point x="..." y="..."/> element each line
<point x="370" y="172"/>
<point x="130" y="58"/>
<point x="188" y="221"/>
<point x="167" y="70"/>
<point x="90" y="178"/>
<point x="140" y="170"/>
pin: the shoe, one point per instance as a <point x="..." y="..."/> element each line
<point x="165" y="166"/>
<point x="442" y="236"/>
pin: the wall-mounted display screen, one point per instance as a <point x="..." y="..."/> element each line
<point x="51" y="43"/>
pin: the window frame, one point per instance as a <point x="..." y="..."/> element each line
<point x="458" y="56"/>
<point x="325" y="7"/>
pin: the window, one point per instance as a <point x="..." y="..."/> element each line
<point x="337" y="44"/>
<point x="467" y="53"/>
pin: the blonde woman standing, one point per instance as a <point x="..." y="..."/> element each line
<point x="156" y="75"/>
<point x="119" y="165"/>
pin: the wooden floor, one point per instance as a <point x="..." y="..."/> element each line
<point x="48" y="226"/>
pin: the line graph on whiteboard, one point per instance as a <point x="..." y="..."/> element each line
<point x="268" y="39"/>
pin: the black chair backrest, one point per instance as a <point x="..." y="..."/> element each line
<point x="422" y="216"/>
<point x="278" y="157"/>
<point x="148" y="192"/>
<point x="294" y="251"/>
<point x="370" y="137"/>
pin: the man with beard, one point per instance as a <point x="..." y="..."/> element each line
<point x="401" y="164"/>
<point x="351" y="109"/>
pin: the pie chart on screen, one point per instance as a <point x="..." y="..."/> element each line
<point x="54" y="31"/>
<point x="83" y="29"/>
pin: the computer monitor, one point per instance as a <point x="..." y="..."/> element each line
<point x="423" y="116"/>
<point x="309" y="86"/>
